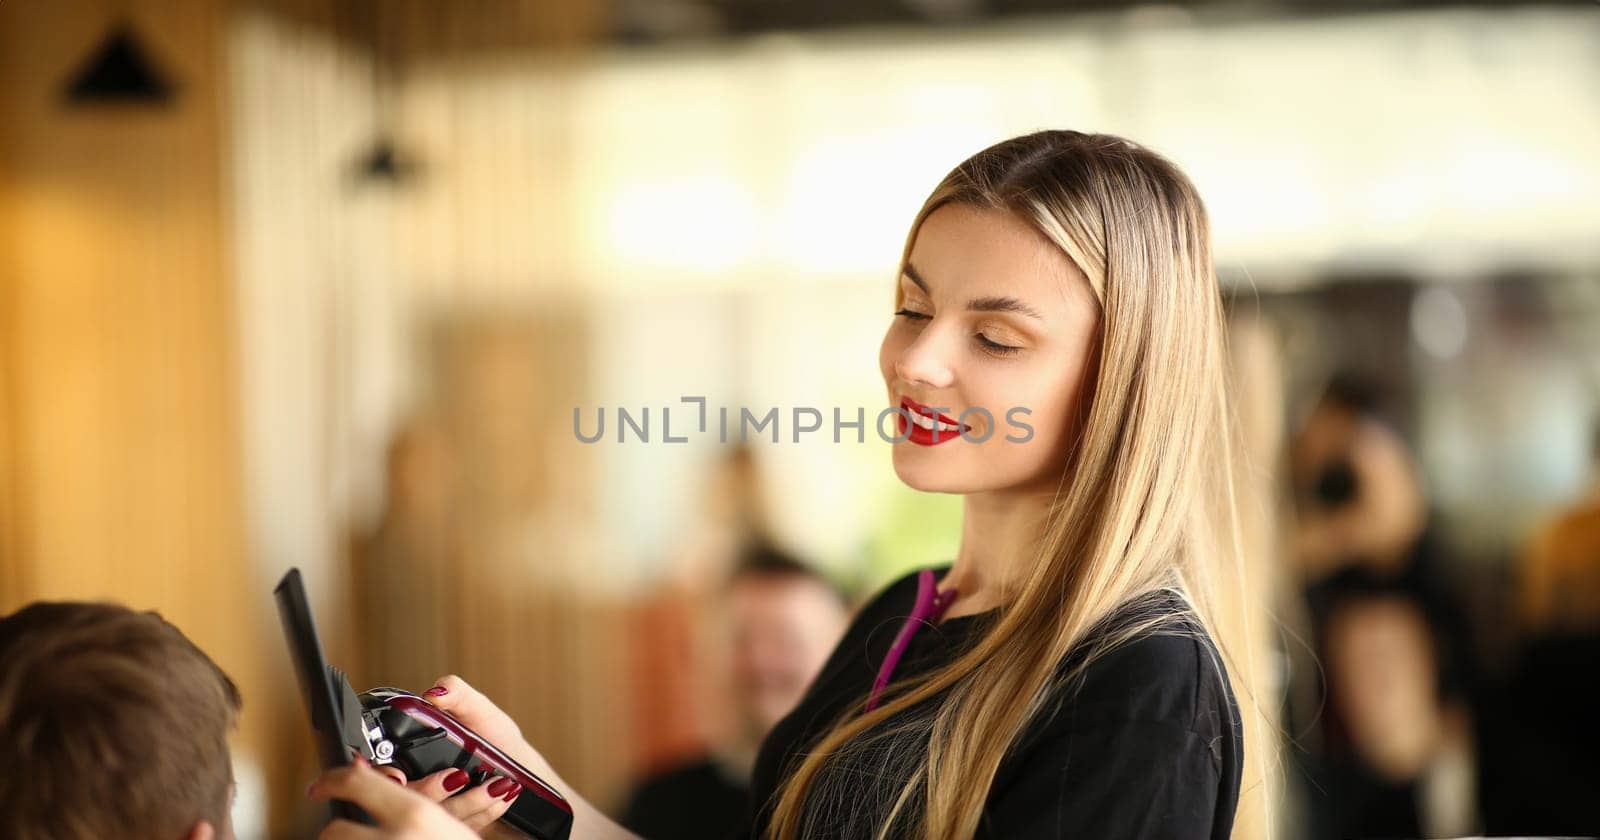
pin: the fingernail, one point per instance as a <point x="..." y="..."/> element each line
<point x="436" y="691"/>
<point x="515" y="792"/>
<point x="395" y="779"/>
<point x="456" y="781"/>
<point x="500" y="786"/>
<point x="311" y="789"/>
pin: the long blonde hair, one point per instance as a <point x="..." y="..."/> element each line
<point x="1144" y="504"/>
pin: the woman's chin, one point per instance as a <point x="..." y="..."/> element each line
<point x="921" y="470"/>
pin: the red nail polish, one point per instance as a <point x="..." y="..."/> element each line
<point x="515" y="792"/>
<point x="499" y="786"/>
<point x="456" y="781"/>
<point x="436" y="691"/>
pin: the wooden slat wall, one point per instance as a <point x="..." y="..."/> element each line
<point x="119" y="433"/>
<point x="484" y="558"/>
<point x="12" y="587"/>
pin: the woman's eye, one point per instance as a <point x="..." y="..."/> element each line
<point x="912" y="314"/>
<point x="995" y="347"/>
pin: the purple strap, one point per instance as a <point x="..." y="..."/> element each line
<point x="930" y="605"/>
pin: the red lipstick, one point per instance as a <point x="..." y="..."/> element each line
<point x="942" y="424"/>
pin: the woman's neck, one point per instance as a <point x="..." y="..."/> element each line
<point x="1000" y="531"/>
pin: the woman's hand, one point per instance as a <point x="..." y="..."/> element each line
<point x="476" y="807"/>
<point x="401" y="813"/>
<point x="452" y="694"/>
<point x="482" y="716"/>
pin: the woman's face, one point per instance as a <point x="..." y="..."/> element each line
<point x="996" y="317"/>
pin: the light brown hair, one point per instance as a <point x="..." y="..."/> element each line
<point x="112" y="724"/>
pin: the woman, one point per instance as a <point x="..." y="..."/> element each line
<point x="1064" y="681"/>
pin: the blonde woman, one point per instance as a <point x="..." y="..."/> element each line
<point x="1057" y="351"/>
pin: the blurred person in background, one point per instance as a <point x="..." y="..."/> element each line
<point x="1064" y="675"/>
<point x="1360" y="500"/>
<point x="733" y="521"/>
<point x="1363" y="522"/>
<point x="1361" y="507"/>
<point x="670" y="651"/>
<point x="404" y="594"/>
<point x="779" y="619"/>
<point x="112" y="724"/>
<point x="1545" y="758"/>
<point x="1398" y="759"/>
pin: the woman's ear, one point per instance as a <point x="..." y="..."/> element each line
<point x="202" y="830"/>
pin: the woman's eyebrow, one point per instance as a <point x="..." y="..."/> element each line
<point x="992" y="303"/>
<point x="910" y="271"/>
<point x="1003" y="304"/>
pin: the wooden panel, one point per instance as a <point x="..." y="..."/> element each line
<point x="119" y="438"/>
<point x="11" y="577"/>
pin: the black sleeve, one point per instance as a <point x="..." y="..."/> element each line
<point x="1118" y="779"/>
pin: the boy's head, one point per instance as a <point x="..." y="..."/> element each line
<point x="114" y="725"/>
<point x="784" y="619"/>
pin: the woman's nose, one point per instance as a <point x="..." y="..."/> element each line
<point x="924" y="362"/>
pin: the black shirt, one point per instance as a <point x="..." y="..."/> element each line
<point x="1146" y="742"/>
<point x="690" y="802"/>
